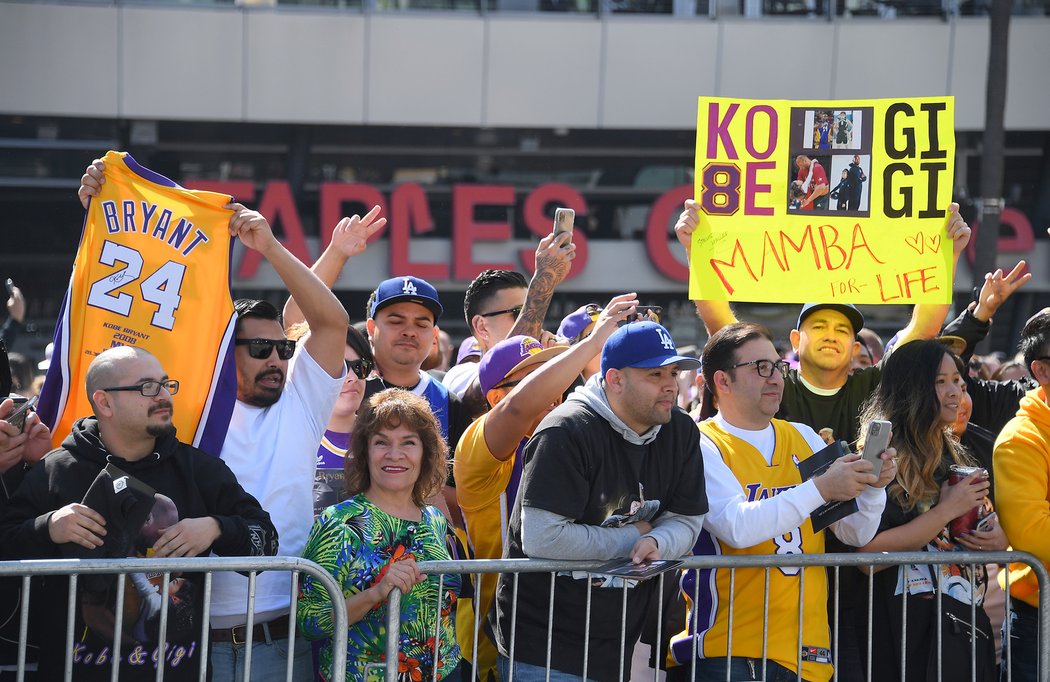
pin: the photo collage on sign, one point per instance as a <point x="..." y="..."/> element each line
<point x="830" y="167"/>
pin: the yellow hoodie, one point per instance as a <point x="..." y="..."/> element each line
<point x="1022" y="489"/>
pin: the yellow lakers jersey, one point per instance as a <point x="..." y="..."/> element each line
<point x="152" y="271"/>
<point x="708" y="596"/>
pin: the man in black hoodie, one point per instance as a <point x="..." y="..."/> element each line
<point x="613" y="472"/>
<point x="141" y="479"/>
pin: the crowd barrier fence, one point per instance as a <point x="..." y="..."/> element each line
<point x="835" y="562"/>
<point x="206" y="565"/>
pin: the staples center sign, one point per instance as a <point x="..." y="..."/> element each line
<point x="652" y="264"/>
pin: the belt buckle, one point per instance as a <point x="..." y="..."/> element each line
<point x="233" y="634"/>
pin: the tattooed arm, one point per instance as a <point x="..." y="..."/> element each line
<point x="553" y="258"/>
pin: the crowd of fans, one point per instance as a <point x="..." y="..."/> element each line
<point x="370" y="447"/>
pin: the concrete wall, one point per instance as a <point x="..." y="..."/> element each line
<point x="506" y="69"/>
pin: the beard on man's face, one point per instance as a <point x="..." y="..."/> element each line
<point x="161" y="430"/>
<point x="264" y="394"/>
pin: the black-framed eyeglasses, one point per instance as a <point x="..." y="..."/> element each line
<point x="149" y="389"/>
<point x="515" y="311"/>
<point x="362" y="368"/>
<point x="765" y="367"/>
<point x="508" y="384"/>
<point x="260" y="349"/>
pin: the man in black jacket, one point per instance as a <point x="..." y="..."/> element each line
<point x="127" y="455"/>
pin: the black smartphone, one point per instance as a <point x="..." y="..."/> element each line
<point x="23" y="407"/>
<point x="10" y="284"/>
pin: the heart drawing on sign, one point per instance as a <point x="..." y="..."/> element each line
<point x="934" y="242"/>
<point x="916" y="243"/>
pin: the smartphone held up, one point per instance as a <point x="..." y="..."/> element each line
<point x="564" y="220"/>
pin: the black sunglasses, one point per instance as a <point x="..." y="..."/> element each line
<point x="515" y="311"/>
<point x="362" y="368"/>
<point x="260" y="349"/>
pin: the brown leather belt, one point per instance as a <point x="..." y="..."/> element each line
<point x="277" y="628"/>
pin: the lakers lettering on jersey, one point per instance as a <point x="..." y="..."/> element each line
<point x="152" y="271"/>
<point x="707" y="592"/>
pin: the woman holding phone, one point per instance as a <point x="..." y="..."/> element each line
<point x="371" y="542"/>
<point x="920" y="394"/>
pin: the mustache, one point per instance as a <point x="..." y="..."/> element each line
<point x="166" y="405"/>
<point x="273" y="371"/>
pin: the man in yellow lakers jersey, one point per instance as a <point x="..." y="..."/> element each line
<point x="759" y="505"/>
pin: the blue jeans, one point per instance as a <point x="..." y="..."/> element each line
<point x="714" y="670"/>
<point x="269" y="661"/>
<point x="1023" y="657"/>
<point x="525" y="672"/>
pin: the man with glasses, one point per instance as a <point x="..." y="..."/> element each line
<point x="759" y="505"/>
<point x="131" y="396"/>
<point x="614" y="471"/>
<point x="285" y="394"/>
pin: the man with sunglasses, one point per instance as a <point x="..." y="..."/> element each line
<point x="131" y="397"/>
<point x="759" y="505"/>
<point x="285" y="394"/>
<point x="499" y="304"/>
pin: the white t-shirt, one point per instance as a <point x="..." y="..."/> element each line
<point x="273" y="452"/>
<point x="458" y="378"/>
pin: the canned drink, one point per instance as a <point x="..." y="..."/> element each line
<point x="968" y="521"/>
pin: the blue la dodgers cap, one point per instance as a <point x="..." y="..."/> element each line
<point x="406" y="290"/>
<point x="643" y="344"/>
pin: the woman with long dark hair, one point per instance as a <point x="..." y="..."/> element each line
<point x="920" y="394"/>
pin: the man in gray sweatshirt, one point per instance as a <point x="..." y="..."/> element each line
<point x="613" y="472"/>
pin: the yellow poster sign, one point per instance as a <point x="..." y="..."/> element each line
<point x="823" y="200"/>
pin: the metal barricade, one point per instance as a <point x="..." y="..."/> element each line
<point x="834" y="562"/>
<point x="74" y="568"/>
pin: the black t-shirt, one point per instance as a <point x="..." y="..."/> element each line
<point x="839" y="412"/>
<point x="577" y="466"/>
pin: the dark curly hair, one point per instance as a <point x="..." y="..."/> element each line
<point x="390" y="409"/>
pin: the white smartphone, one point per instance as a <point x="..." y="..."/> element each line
<point x="876" y="441"/>
<point x="564" y="218"/>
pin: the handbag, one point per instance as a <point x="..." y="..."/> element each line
<point x="955" y="654"/>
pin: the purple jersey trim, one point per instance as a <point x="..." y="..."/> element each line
<point x="704" y="605"/>
<point x="217" y="421"/>
<point x="147" y="174"/>
<point x="224" y="395"/>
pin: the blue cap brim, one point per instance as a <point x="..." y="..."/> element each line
<point x="428" y="303"/>
<point x="686" y="363"/>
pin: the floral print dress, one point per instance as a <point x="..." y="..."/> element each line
<point x="356" y="542"/>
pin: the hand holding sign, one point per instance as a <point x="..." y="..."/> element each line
<point x="764" y="229"/>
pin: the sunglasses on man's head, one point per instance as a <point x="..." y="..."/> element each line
<point x="644" y="313"/>
<point x="361" y="368"/>
<point x="260" y="349"/>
